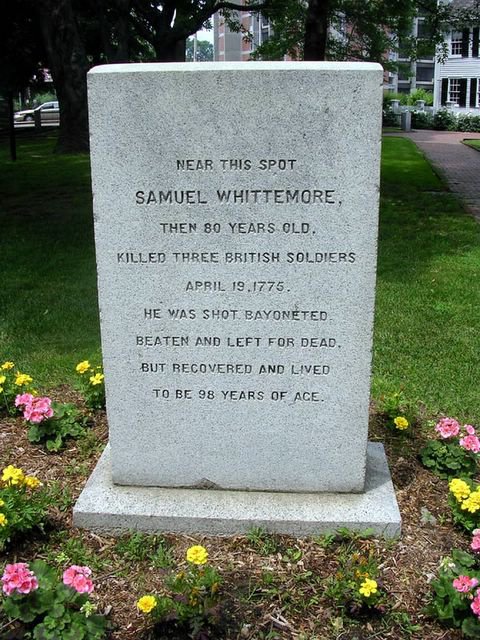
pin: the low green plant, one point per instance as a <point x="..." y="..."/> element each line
<point x="448" y="460"/>
<point x="12" y="383"/>
<point x="464" y="501"/>
<point x="194" y="599"/>
<point x="325" y="541"/>
<point x="91" y="383"/>
<point x="139" y="547"/>
<point x="455" y="599"/>
<point x="51" y="609"/>
<point x="355" y="587"/>
<point x="397" y="414"/>
<point x="455" y="454"/>
<point x="67" y="421"/>
<point x="23" y="504"/>
<point x="391" y="404"/>
<point x="262" y="542"/>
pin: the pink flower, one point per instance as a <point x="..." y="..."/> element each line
<point x="18" y="577"/>
<point x="475" y="545"/>
<point x="469" y="429"/>
<point x="447" y="427"/>
<point x="470" y="443"/>
<point x="38" y="409"/>
<point x="24" y="398"/>
<point x="464" y="584"/>
<point x="475" y="604"/>
<point x="78" y="578"/>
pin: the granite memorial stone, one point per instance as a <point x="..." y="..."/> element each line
<point x="236" y="212"/>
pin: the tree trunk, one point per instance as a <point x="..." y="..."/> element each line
<point x="316" y="30"/>
<point x="11" y="127"/>
<point x="68" y="65"/>
<point x="167" y="50"/>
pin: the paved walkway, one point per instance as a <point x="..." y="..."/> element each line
<point x="458" y="163"/>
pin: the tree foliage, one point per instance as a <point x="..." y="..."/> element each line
<point x="204" y="51"/>
<point x="70" y="36"/>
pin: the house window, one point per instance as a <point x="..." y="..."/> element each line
<point x="457" y="40"/>
<point x="454" y="91"/>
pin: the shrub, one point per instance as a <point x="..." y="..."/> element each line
<point x="51" y="609"/>
<point x="23" y="503"/>
<point x="464" y="500"/>
<point x="388" y="96"/>
<point x="444" y="120"/>
<point x="422" y="120"/>
<point x="456" y="600"/>
<point x="421" y="94"/>
<point x="50" y="422"/>
<point x="389" y="118"/>
<point x="468" y="123"/>
<point x="456" y="454"/>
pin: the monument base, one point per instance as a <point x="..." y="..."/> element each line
<point x="105" y="507"/>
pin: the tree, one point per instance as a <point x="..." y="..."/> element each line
<point x="338" y="29"/>
<point x="204" y="51"/>
<point x="18" y="64"/>
<point x="80" y="33"/>
<point x="359" y="29"/>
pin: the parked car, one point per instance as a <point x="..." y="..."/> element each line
<point x="49" y="112"/>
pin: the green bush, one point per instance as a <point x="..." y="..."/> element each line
<point x="47" y="96"/>
<point x="23" y="504"/>
<point x="468" y="123"/>
<point x="464" y="501"/>
<point x="444" y="120"/>
<point x="420" y="94"/>
<point x="448" y="460"/>
<point x="51" y="609"/>
<point x="390" y="119"/>
<point x="451" y="606"/>
<point x="422" y="120"/>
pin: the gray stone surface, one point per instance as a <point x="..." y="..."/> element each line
<point x="202" y="388"/>
<point x="111" y="508"/>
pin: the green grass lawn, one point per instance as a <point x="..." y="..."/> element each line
<point x="475" y="144"/>
<point x="48" y="298"/>
<point x="428" y="299"/>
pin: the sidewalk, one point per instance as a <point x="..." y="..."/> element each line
<point x="459" y="164"/>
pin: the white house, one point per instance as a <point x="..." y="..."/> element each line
<point x="457" y="79"/>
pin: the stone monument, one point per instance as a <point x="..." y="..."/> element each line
<point x="236" y="210"/>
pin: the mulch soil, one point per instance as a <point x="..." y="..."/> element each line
<point x="291" y="604"/>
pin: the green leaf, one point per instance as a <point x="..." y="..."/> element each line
<point x="34" y="433"/>
<point x="471" y="628"/>
<point x="55" y="444"/>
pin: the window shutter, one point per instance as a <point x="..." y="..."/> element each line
<point x="462" y="101"/>
<point x="476" y="31"/>
<point x="444" y="91"/>
<point x="465" y="42"/>
<point x="473" y="92"/>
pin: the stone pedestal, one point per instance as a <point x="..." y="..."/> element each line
<point x="115" y="509"/>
